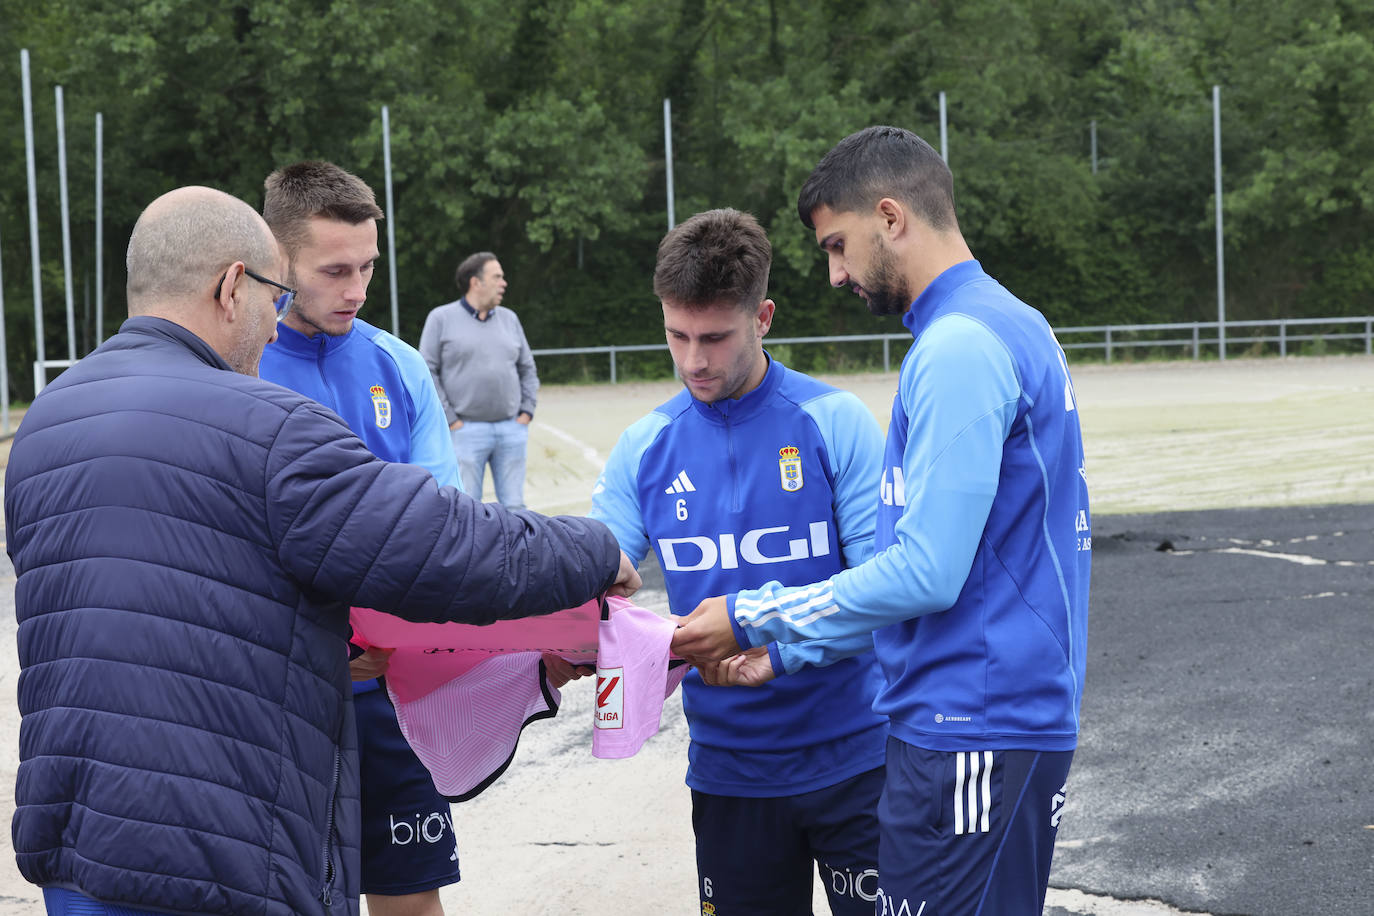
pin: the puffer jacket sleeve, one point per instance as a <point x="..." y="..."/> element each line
<point x="353" y="528"/>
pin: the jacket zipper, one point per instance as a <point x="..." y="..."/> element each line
<point x="734" y="476"/>
<point x="327" y="892"/>
<point x="324" y="379"/>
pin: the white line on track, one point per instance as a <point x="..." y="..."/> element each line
<point x="1300" y="559"/>
<point x="586" y="451"/>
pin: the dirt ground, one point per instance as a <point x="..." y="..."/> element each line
<point x="564" y="833"/>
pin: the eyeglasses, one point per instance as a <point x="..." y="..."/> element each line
<point x="282" y="302"/>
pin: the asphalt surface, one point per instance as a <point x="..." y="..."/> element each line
<point x="1226" y="763"/>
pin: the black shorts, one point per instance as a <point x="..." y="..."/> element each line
<point x="969" y="832"/>
<point x="408" y="842"/>
<point x="755" y="855"/>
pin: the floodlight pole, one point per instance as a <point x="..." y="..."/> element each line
<point x="944" y="129"/>
<point x="66" y="225"/>
<point x="99" y="229"/>
<point x="4" y="363"/>
<point x="39" y="355"/>
<point x="668" y="156"/>
<point x="390" y="222"/>
<point x="1221" y="256"/>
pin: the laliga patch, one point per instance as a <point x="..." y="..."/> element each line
<point x="610" y="697"/>
<point x="381" y="405"/>
<point x="789" y="465"/>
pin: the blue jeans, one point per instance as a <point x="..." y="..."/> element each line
<point x="500" y="444"/>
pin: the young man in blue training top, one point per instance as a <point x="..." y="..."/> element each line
<point x="756" y="472"/>
<point x="977" y="596"/>
<point x="326" y="221"/>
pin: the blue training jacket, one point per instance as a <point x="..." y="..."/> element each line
<point x="378" y="384"/>
<point x="382" y="389"/>
<point x="978" y="592"/>
<point x="775" y="485"/>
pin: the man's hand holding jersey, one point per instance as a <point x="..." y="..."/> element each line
<point x="706" y="639"/>
<point x="750" y="668"/>
<point x="627" y="580"/>
<point x="705" y="635"/>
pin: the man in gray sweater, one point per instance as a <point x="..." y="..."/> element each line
<point x="481" y="363"/>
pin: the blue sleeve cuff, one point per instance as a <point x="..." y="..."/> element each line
<point x="775" y="656"/>
<point x="740" y="636"/>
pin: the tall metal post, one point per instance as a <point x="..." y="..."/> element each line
<point x="1221" y="257"/>
<point x="38" y="352"/>
<point x="668" y="156"/>
<point x="66" y="226"/>
<point x="1092" y="130"/>
<point x="944" y="129"/>
<point x="390" y="222"/>
<point x="99" y="229"/>
<point x="4" y="362"/>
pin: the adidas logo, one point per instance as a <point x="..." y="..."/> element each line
<point x="681" y="484"/>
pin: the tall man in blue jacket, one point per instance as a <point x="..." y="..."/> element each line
<point x="187" y="540"/>
<point x="977" y="596"/>
<point x="325" y="219"/>
<point x="756" y="472"/>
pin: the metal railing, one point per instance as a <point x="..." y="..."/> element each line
<point x="1198" y="336"/>
<point x="1112" y="338"/>
<point x="1112" y="334"/>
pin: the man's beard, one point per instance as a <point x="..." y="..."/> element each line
<point x="298" y="310"/>
<point x="887" y="292"/>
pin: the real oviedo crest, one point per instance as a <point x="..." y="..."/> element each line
<point x="789" y="464"/>
<point x="381" y="405"/>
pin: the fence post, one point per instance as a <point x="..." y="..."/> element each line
<point x="1283" y="338"/>
<point x="1108" y="345"/>
<point x="612" y="365"/>
<point x="1368" y="338"/>
<point x="1195" y="341"/>
<point x="887" y="354"/>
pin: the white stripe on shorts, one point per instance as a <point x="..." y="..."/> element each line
<point x="972" y="794"/>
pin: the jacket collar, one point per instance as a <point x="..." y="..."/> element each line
<point x="161" y="328"/>
<point x="297" y="344"/>
<point x="928" y="304"/>
<point x="742" y="408"/>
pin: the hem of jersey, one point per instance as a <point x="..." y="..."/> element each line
<point x="84" y="897"/>
<point x="416" y="887"/>
<point x="1022" y="742"/>
<point x="753" y="790"/>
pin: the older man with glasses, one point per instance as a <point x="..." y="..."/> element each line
<point x="187" y="540"/>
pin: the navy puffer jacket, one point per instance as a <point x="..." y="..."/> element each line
<point x="187" y="541"/>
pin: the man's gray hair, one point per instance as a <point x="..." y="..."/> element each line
<point x="184" y="239"/>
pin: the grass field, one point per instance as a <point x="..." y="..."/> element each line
<point x="1159" y="436"/>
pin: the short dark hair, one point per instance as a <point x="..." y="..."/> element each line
<point x="298" y="193"/>
<point x="718" y="255"/>
<point x="472" y="266"/>
<point x="879" y="162"/>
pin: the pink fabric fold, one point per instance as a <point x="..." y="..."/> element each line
<point x="633" y="678"/>
<point x="464" y="693"/>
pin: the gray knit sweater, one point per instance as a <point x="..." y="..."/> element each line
<point x="483" y="369"/>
